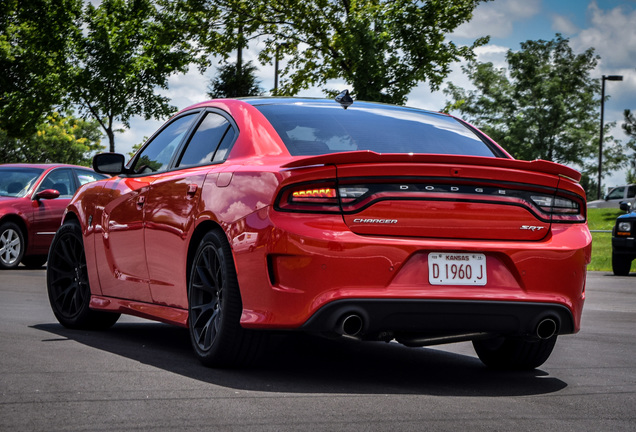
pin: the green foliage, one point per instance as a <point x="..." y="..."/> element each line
<point x="381" y="48"/>
<point x="231" y="82"/>
<point x="58" y="139"/>
<point x="128" y="49"/>
<point x="540" y="107"/>
<point x="629" y="127"/>
<point x="136" y="147"/>
<point x="35" y="39"/>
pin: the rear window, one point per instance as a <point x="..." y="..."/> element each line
<point x="315" y="129"/>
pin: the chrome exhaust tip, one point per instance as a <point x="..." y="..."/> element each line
<point x="351" y="325"/>
<point x="546" y="328"/>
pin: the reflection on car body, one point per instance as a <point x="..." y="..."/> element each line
<point x="376" y="222"/>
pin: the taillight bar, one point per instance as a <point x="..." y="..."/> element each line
<point x="328" y="196"/>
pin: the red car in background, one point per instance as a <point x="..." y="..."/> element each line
<point x="372" y="222"/>
<point x="32" y="201"/>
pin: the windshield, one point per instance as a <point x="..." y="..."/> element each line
<point x="318" y="128"/>
<point x="16" y="182"/>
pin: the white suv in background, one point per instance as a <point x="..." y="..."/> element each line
<point x="615" y="197"/>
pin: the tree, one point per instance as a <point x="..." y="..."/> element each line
<point x="35" y="39"/>
<point x="58" y="139"/>
<point x="381" y="48"/>
<point x="129" y="49"/>
<point x="629" y="127"/>
<point x="540" y="107"/>
<point x="232" y="82"/>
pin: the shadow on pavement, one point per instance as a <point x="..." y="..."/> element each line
<point x="298" y="363"/>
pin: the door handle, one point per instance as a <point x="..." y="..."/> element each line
<point x="141" y="200"/>
<point x="192" y="189"/>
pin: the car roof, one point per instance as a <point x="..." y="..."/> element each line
<point x="42" y="165"/>
<point x="256" y="101"/>
<point x="264" y="100"/>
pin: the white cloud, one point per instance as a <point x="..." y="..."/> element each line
<point x="497" y="18"/>
<point x="612" y="34"/>
<point x="563" y="25"/>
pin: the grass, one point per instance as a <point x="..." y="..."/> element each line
<point x="603" y="219"/>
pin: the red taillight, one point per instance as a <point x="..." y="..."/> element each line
<point x="561" y="209"/>
<point x="316" y="195"/>
<point x="313" y="197"/>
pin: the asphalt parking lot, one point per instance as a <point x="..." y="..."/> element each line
<point x="141" y="375"/>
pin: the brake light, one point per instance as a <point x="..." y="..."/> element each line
<point x="313" y="197"/>
<point x="561" y="209"/>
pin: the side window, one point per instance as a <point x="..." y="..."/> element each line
<point x="631" y="192"/>
<point x="203" y="145"/>
<point x="617" y="193"/>
<point x="61" y="180"/>
<point x="157" y="154"/>
<point x="224" y="148"/>
<point x="85" y="176"/>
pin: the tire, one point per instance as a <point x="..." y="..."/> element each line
<point x="621" y="264"/>
<point x="34" y="261"/>
<point x="12" y="246"/>
<point x="215" y="307"/>
<point x="67" y="282"/>
<point x="514" y="353"/>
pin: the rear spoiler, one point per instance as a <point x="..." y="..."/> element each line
<point x="367" y="156"/>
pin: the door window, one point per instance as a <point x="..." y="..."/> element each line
<point x="157" y="154"/>
<point x="616" y="193"/>
<point x="85" y="176"/>
<point x="61" y="180"/>
<point x="202" y="147"/>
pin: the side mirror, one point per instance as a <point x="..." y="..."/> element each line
<point x="626" y="206"/>
<point x="109" y="163"/>
<point x="47" y="194"/>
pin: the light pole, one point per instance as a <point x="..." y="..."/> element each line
<point x="276" y="58"/>
<point x="600" y="142"/>
<point x="276" y="71"/>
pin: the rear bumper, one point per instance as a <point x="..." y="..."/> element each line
<point x="439" y="317"/>
<point x="302" y="268"/>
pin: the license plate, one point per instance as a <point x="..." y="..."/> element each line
<point x="456" y="268"/>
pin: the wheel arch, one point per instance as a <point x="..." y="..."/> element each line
<point x="21" y="223"/>
<point x="71" y="217"/>
<point x="199" y="232"/>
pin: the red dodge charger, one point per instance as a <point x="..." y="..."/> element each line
<point x="368" y="221"/>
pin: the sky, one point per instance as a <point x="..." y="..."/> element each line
<point x="608" y="26"/>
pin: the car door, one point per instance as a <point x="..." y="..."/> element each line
<point x="631" y="195"/>
<point x="121" y="252"/>
<point x="47" y="213"/>
<point x="615" y="196"/>
<point x="172" y="204"/>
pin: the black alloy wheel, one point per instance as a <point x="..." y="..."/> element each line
<point x="215" y="307"/>
<point x="12" y="246"/>
<point x="67" y="282"/>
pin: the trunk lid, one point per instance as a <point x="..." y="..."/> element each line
<point x="441" y="196"/>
